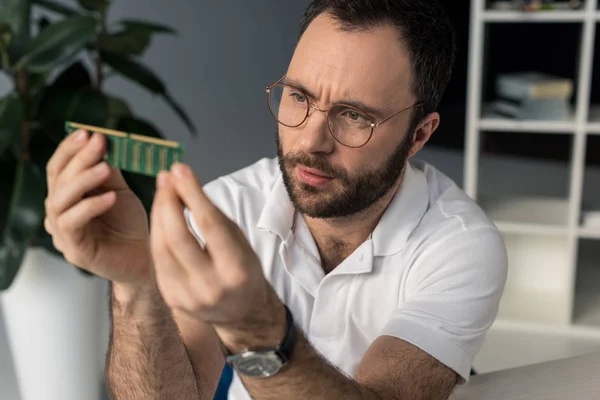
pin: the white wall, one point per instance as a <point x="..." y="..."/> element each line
<point x="218" y="66"/>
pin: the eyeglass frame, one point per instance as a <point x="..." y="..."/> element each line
<point x="374" y="124"/>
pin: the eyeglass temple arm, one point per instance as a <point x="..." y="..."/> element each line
<point x="375" y="125"/>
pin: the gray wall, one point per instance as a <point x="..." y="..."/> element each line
<point x="226" y="53"/>
<point x="217" y="67"/>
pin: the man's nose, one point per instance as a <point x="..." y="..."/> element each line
<point x="315" y="136"/>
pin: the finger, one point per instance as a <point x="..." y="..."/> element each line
<point x="115" y="181"/>
<point x="69" y="194"/>
<point x="167" y="270"/>
<point x="70" y="224"/>
<point x="217" y="229"/>
<point x="92" y="153"/>
<point x="63" y="154"/>
<point x="47" y="225"/>
<point x="179" y="239"/>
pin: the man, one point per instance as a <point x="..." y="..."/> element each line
<point x="338" y="270"/>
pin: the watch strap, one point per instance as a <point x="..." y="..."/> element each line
<point x="285" y="348"/>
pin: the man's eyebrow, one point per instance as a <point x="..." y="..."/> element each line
<point x="373" y="111"/>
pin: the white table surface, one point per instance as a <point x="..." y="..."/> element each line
<point x="576" y="378"/>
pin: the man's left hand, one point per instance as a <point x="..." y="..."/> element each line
<point x="222" y="284"/>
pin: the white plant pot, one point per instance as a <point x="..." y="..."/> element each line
<point x="55" y="320"/>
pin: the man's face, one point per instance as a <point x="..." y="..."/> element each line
<point x="324" y="178"/>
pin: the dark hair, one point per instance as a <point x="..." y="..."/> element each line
<point x="422" y="25"/>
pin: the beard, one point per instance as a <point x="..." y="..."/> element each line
<point x="358" y="191"/>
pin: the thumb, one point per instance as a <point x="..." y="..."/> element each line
<point x="115" y="181"/>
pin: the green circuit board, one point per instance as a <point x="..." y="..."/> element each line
<point x="135" y="153"/>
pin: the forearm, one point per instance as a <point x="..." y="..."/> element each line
<point x="308" y="376"/>
<point x="146" y="357"/>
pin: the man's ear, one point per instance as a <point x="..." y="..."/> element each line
<point x="423" y="132"/>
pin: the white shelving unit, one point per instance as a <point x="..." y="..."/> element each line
<point x="554" y="261"/>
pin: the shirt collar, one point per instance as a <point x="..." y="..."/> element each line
<point x="277" y="215"/>
<point x="391" y="233"/>
<point x="403" y="214"/>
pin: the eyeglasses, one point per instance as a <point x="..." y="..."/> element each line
<point x="348" y="125"/>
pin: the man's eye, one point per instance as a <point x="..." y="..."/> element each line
<point x="354" y="116"/>
<point x="299" y="97"/>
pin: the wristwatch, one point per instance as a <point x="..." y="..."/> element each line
<point x="265" y="362"/>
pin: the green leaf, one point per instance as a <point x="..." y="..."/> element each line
<point x="11" y="258"/>
<point x="36" y="83"/>
<point x="41" y="148"/>
<point x="142" y="75"/>
<point x="72" y="78"/>
<point x="8" y="165"/>
<point x="138" y="126"/>
<point x="11" y="116"/>
<point x="117" y="109"/>
<point x="16" y="13"/>
<point x="5" y="36"/>
<point x="125" y="43"/>
<point x="94" y="5"/>
<point x="25" y="217"/>
<point x="26" y="210"/>
<point x="56" y="7"/>
<point x="58" y="44"/>
<point x="83" y="106"/>
<point x="132" y="25"/>
<point x="43" y="23"/>
<point x="75" y="76"/>
<point x="133" y="38"/>
<point x="135" y="71"/>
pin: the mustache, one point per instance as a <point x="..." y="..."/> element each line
<point x="299" y="158"/>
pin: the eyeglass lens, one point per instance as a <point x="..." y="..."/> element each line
<point x="291" y="107"/>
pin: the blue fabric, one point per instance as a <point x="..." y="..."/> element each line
<point x="224" y="383"/>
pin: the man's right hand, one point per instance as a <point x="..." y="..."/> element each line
<point x="94" y="218"/>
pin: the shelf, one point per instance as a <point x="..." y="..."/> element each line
<point x="587" y="293"/>
<point x="590" y="202"/>
<point x="534" y="215"/>
<point x="493" y="122"/>
<point x="527" y="298"/>
<point x="510" y="345"/>
<point x="589" y="233"/>
<point x="525" y="195"/>
<point x="593" y="126"/>
<point x="540" y="16"/>
<point x="526" y="306"/>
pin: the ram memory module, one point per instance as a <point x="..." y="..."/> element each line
<point x="135" y="153"/>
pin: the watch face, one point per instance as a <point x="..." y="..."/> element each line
<point x="257" y="364"/>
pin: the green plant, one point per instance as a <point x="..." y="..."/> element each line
<point x="57" y="75"/>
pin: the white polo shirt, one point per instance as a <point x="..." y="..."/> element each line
<point x="432" y="272"/>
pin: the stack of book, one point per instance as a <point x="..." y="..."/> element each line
<point x="533" y="95"/>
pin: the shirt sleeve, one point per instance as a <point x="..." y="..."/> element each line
<point x="451" y="297"/>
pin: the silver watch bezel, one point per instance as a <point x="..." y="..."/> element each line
<point x="238" y="363"/>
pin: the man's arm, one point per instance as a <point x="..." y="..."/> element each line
<point x="147" y="359"/>
<point x="390" y="369"/>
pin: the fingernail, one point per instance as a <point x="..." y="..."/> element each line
<point x="161" y="179"/>
<point x="180" y="170"/>
<point x="98" y="139"/>
<point x="100" y="169"/>
<point x="80" y="136"/>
